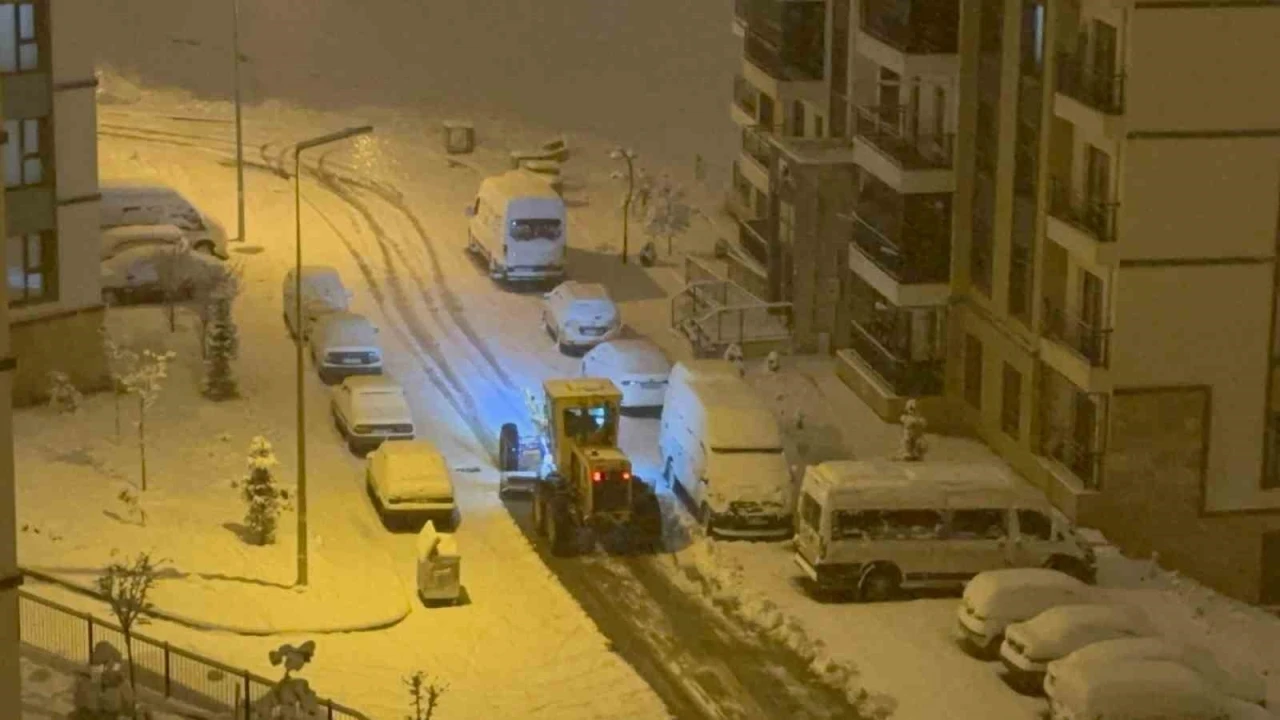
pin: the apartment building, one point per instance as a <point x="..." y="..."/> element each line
<point x="1055" y="224"/>
<point x="10" y="575"/>
<point x="51" y="191"/>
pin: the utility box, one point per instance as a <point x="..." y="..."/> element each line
<point x="459" y="137"/>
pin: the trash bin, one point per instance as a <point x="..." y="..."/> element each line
<point x="459" y="137"/>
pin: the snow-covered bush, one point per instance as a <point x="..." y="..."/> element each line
<point x="220" y="345"/>
<point x="63" y="394"/>
<point x="290" y="698"/>
<point x="734" y="354"/>
<point x="101" y="692"/>
<point x="912" y="446"/>
<point x="145" y="382"/>
<point x="773" y="362"/>
<point x="263" y="498"/>
<point x="424" y="695"/>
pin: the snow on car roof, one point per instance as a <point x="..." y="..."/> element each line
<point x="988" y="583"/>
<point x="962" y="483"/>
<point x="373" y="384"/>
<point x="703" y="368"/>
<point x="1060" y="620"/>
<point x="1136" y="689"/>
<point x="633" y="355"/>
<point x="586" y="291"/>
<point x="348" y="329"/>
<point x="1239" y="681"/>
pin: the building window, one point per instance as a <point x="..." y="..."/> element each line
<point x="25" y="152"/>
<point x="818" y="129"/>
<point x="20" y="25"/>
<point x="1011" y="402"/>
<point x="32" y="267"/>
<point x="1271" y="474"/>
<point x="797" y="118"/>
<point x="973" y="371"/>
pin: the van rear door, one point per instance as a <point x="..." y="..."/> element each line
<point x="534" y="237"/>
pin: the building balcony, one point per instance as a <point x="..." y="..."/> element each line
<point x="781" y="66"/>
<point x="1090" y="341"/>
<point x="1103" y="93"/>
<point x="753" y="240"/>
<point x="913" y="27"/>
<point x="1084" y="226"/>
<point x="907" y="265"/>
<point x="1083" y="464"/>
<point x="1073" y="426"/>
<point x="757" y="158"/>
<point x="910" y="150"/>
<point x="903" y="378"/>
<point x="739" y="26"/>
<point x="745" y="108"/>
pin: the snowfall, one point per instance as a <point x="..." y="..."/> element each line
<point x="385" y="210"/>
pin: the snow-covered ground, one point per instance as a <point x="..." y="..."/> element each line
<point x="48" y="692"/>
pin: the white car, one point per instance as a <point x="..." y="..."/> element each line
<point x="369" y="410"/>
<point x="343" y="344"/>
<point x="1141" y="690"/>
<point x="146" y="272"/>
<point x="1238" y="682"/>
<point x="409" y="482"/>
<point x="580" y="316"/>
<point x="120" y="238"/>
<point x="322" y="293"/>
<point x="638" y="367"/>
<point x="1030" y="646"/>
<point x="995" y="599"/>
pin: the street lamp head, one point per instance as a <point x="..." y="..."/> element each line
<point x="616" y="154"/>
<point x="620" y="153"/>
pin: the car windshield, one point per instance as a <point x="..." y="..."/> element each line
<point x="536" y="229"/>
<point x="189" y="220"/>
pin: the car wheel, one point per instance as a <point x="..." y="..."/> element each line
<point x="706" y="520"/>
<point x="879" y="585"/>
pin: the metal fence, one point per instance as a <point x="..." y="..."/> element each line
<point x="175" y="673"/>
<point x="714" y="312"/>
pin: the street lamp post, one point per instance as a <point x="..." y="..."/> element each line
<point x="235" y="80"/>
<point x="300" y="326"/>
<point x="629" y="156"/>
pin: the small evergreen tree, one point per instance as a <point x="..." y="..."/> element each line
<point x="221" y="343"/>
<point x="263" y="498"/>
<point x="63" y="394"/>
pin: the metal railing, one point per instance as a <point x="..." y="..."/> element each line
<point x="1058" y="442"/>
<point x="740" y="11"/>
<point x="1090" y="215"/>
<point x="745" y="96"/>
<point x="752" y="239"/>
<point x="772" y="62"/>
<point x="1088" y="340"/>
<point x="175" y="673"/>
<point x="925" y="28"/>
<point x="714" y="312"/>
<point x="905" y="378"/>
<point x="898" y="261"/>
<point x="758" y="147"/>
<point x="1079" y="81"/>
<point x="910" y="149"/>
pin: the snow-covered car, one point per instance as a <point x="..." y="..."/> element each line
<point x="1141" y="690"/>
<point x="1030" y="646"/>
<point x="409" y="482"/>
<point x="638" y="367"/>
<point x="368" y="410"/>
<point x="1238" y="682"/>
<point x="343" y="344"/>
<point x="322" y="293"/>
<point x="113" y="240"/>
<point x="580" y="316"/>
<point x="154" y="271"/>
<point x="995" y="599"/>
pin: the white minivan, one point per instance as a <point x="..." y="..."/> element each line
<point x="133" y="204"/>
<point x="322" y="293"/>
<point x="874" y="526"/>
<point x="344" y="344"/>
<point x="517" y="227"/>
<point x="723" y="456"/>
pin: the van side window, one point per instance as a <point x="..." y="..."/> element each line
<point x="980" y="524"/>
<point x="849" y="524"/>
<point x="912" y="524"/>
<point x="1034" y="524"/>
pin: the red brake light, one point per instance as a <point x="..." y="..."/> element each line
<point x="596" y="476"/>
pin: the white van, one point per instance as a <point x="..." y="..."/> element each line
<point x="722" y="455"/>
<point x="322" y="293"/>
<point x="132" y="204"/>
<point x="517" y="226"/>
<point x="875" y="526"/>
<point x="344" y="344"/>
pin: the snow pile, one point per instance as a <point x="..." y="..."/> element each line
<point x="115" y="88"/>
<point x="721" y="580"/>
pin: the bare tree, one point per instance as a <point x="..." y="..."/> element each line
<point x="145" y="382"/>
<point x="670" y="214"/>
<point x="121" y="361"/>
<point x="173" y="266"/>
<point x="424" y="695"/>
<point x="125" y="587"/>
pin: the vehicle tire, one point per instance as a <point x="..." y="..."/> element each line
<point x="646" y="518"/>
<point x="1068" y="566"/>
<point x="509" y="448"/>
<point x="539" y="514"/>
<point x="707" y="522"/>
<point x="560" y="534"/>
<point x="879" y="584"/>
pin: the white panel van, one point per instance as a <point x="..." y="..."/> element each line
<point x="126" y="203"/>
<point x="723" y="456"/>
<point x="517" y="226"/>
<point x="872" y="527"/>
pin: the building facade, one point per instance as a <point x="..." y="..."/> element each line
<point x="10" y="575"/>
<point x="51" y="192"/>
<point x="1059" y="222"/>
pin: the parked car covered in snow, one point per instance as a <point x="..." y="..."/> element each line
<point x="723" y="456"/>
<point x="322" y="293"/>
<point x="1141" y="690"/>
<point x="873" y="527"/>
<point x="113" y="240"/>
<point x="369" y="410"/>
<point x="1238" y="682"/>
<point x="344" y="344"/>
<point x="638" y="367"/>
<point x="580" y="316"/>
<point x="155" y="272"/>
<point x="125" y="203"/>
<point x="409" y="481"/>
<point x="516" y="225"/>
<point x="995" y="599"/>
<point x="1030" y="646"/>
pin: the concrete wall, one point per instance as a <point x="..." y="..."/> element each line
<point x="10" y="675"/>
<point x="1181" y="326"/>
<point x="67" y="342"/>
<point x="1151" y="496"/>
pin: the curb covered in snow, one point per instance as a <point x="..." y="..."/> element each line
<point x="259" y="630"/>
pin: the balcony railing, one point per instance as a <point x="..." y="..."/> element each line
<point x="905" y="378"/>
<point x="740" y="11"/>
<point x="755" y="144"/>
<point x="1100" y="91"/>
<point x="911" y="150"/>
<point x="897" y="260"/>
<point x="1057" y="442"/>
<point x="771" y="60"/>
<point x="1090" y="215"/>
<point x="1086" y="339"/>
<point x="751" y="236"/>
<point x="746" y="96"/>
<point x="915" y="27"/>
